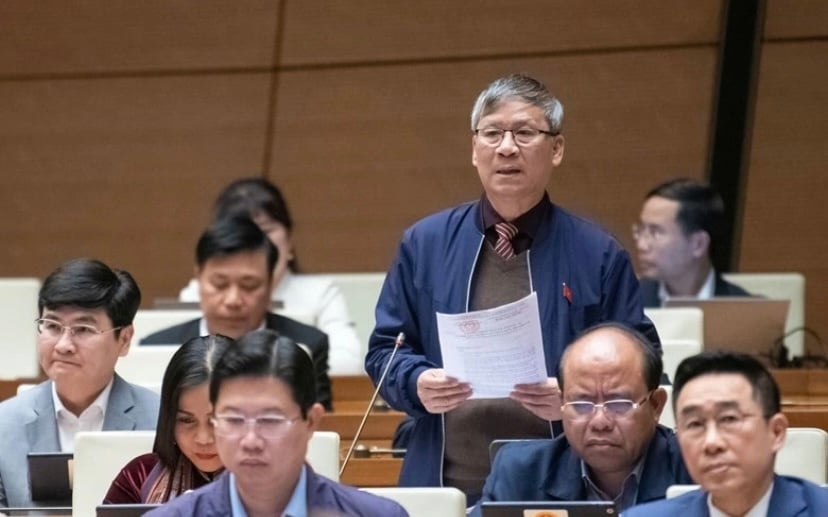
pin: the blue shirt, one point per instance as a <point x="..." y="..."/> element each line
<point x="297" y="505"/>
<point x="629" y="491"/>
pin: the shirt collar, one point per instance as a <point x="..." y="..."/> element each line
<point x="629" y="490"/>
<point x="707" y="291"/>
<point x="203" y="331"/>
<point x="297" y="505"/>
<point x="527" y="223"/>
<point x="99" y="403"/>
<point x="760" y="509"/>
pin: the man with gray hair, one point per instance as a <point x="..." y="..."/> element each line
<point x="511" y="242"/>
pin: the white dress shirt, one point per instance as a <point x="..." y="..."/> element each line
<point x="91" y="419"/>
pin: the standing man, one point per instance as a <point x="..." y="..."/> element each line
<point x="681" y="222"/>
<point x="483" y="254"/>
<point x="730" y="426"/>
<point x="234" y="269"/>
<point x="613" y="448"/>
<point x="85" y="324"/>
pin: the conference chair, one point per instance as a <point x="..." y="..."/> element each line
<point x="667" y="418"/>
<point x="323" y="454"/>
<point x="426" y="501"/>
<point x="782" y="286"/>
<point x="145" y="364"/>
<point x="361" y="292"/>
<point x="18" y="310"/>
<point x="148" y="321"/>
<point x="677" y="490"/>
<point x="804" y="454"/>
<point x="678" y="323"/>
<point x="676" y="350"/>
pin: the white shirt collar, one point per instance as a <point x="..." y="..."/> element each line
<point x="203" y="331"/>
<point x="91" y="419"/>
<point x="760" y="509"/>
<point x="707" y="291"/>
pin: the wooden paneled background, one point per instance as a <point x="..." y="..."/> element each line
<point x="120" y="121"/>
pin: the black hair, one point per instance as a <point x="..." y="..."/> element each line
<point x="700" y="207"/>
<point x="231" y="236"/>
<point x="189" y="367"/>
<point x="652" y="366"/>
<point x="765" y="389"/>
<point x="254" y="197"/>
<point x="264" y="353"/>
<point x="91" y="284"/>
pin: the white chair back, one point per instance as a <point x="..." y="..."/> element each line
<point x="677" y="490"/>
<point x="145" y="364"/>
<point x="668" y="419"/>
<point x="676" y="350"/>
<point x="684" y="323"/>
<point x="18" y="344"/>
<point x="426" y="501"/>
<point x="99" y="457"/>
<point x="361" y="292"/>
<point x="804" y="455"/>
<point x="323" y="454"/>
<point x="781" y="286"/>
<point x="148" y="321"/>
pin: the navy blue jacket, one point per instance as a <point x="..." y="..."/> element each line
<point x="543" y="470"/>
<point x="432" y="272"/>
<point x="325" y="498"/>
<point x="791" y="497"/>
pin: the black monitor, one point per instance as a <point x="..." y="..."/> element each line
<point x="124" y="510"/>
<point x="49" y="478"/>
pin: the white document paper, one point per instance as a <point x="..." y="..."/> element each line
<point x="494" y="349"/>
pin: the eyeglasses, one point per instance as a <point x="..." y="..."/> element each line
<point x="266" y="426"/>
<point x="727" y="422"/>
<point x="522" y="136"/>
<point x="52" y="329"/>
<point x="650" y="233"/>
<point x="617" y="408"/>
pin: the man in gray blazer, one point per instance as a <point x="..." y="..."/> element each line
<point x="86" y="311"/>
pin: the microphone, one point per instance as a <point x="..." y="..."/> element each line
<point x="400" y="340"/>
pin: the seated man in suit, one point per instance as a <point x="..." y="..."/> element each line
<point x="680" y="222"/>
<point x="730" y="427"/>
<point x="612" y="447"/>
<point x="85" y="325"/>
<point x="234" y="269"/>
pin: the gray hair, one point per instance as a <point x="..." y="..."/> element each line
<point x="522" y="87"/>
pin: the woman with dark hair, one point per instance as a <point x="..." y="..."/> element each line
<point x="184" y="455"/>
<point x="263" y="392"/>
<point x="318" y="298"/>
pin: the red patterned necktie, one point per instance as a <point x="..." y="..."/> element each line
<point x="505" y="233"/>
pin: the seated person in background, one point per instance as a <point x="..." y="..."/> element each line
<point x="234" y="268"/>
<point x="184" y="454"/>
<point x="612" y="448"/>
<point x="730" y="427"/>
<point x="263" y="397"/>
<point x="317" y="297"/>
<point x="681" y="221"/>
<point x="86" y="311"/>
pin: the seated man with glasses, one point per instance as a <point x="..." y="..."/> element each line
<point x="681" y="222"/>
<point x="263" y="392"/>
<point x="730" y="426"/>
<point x="85" y="324"/>
<point x="613" y="448"/>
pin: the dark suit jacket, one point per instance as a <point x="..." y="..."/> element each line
<point x="325" y="498"/>
<point x="314" y="339"/>
<point x="649" y="290"/>
<point x="544" y="470"/>
<point x="791" y="497"/>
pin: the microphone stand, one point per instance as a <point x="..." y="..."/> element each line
<point x="400" y="340"/>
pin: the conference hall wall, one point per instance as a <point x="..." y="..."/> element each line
<point x="121" y="120"/>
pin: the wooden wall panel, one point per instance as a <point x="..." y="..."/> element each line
<point x="320" y="32"/>
<point x="796" y="19"/>
<point x="785" y="215"/>
<point x="110" y="36"/>
<point x="363" y="152"/>
<point x="121" y="169"/>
